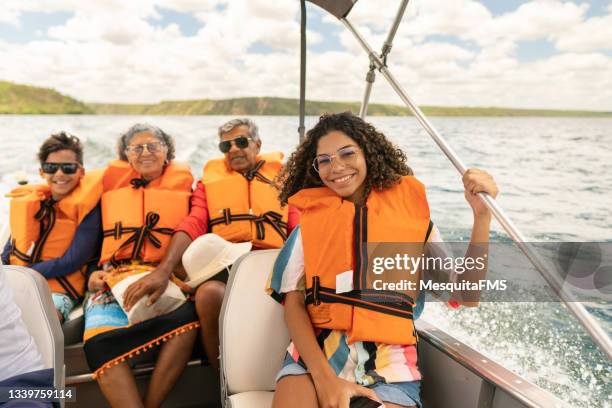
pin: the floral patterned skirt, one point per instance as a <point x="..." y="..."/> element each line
<point x="110" y="339"/>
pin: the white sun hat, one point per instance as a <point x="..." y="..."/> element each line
<point x="209" y="255"/>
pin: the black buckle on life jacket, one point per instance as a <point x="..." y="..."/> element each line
<point x="392" y="303"/>
<point x="138" y="183"/>
<point x="316" y="286"/>
<point x="118" y="230"/>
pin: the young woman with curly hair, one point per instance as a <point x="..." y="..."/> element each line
<point x="353" y="187"/>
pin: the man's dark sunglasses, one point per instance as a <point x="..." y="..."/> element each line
<point x="241" y="142"/>
<point x="67" y="168"/>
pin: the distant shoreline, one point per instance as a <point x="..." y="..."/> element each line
<point x="30" y="100"/>
<point x="272" y="106"/>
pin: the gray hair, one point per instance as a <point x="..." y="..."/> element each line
<point x="230" y="125"/>
<point x="156" y="132"/>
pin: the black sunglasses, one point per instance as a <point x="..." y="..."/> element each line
<point x="67" y="168"/>
<point x="241" y="142"/>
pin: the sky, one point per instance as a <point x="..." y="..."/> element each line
<point x="509" y="53"/>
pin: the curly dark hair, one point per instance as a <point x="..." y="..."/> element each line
<point x="385" y="162"/>
<point x="60" y="141"/>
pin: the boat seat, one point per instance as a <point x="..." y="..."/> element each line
<point x="253" y="334"/>
<point x="32" y="295"/>
<point x="75" y="325"/>
<point x="250" y="399"/>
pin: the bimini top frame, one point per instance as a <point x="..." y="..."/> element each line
<point x="340" y="9"/>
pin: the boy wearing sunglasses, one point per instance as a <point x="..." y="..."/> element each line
<point x="235" y="199"/>
<point x="55" y="226"/>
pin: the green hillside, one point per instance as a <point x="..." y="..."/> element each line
<point x="287" y="106"/>
<point x="24" y="99"/>
<point x="242" y="106"/>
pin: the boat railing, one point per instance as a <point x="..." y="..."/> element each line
<point x="491" y="384"/>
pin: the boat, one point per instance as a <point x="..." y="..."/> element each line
<point x="455" y="374"/>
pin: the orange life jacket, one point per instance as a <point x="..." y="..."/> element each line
<point x="246" y="207"/>
<point x="138" y="217"/>
<point x="42" y="229"/>
<point x="335" y="234"/>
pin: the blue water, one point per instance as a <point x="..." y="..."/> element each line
<point x="555" y="177"/>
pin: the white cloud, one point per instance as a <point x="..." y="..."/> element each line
<point x="531" y="21"/>
<point x="433" y="52"/>
<point x="120" y="29"/>
<point x="451" y="18"/>
<point x="9" y="16"/>
<point x="192" y="6"/>
<point x="110" y="51"/>
<point x="134" y="7"/>
<point x="591" y="35"/>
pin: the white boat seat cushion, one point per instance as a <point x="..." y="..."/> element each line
<point x="251" y="399"/>
<point x="32" y="295"/>
<point x="254" y="335"/>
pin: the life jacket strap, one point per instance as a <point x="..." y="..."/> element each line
<point x="139" y="236"/>
<point x="46" y="217"/>
<point x="393" y="303"/>
<point x="138" y="183"/>
<point x="316" y="290"/>
<point x="71" y="292"/>
<point x="22" y="256"/>
<point x="254" y="173"/>
<point x="272" y="218"/>
<point x="429" y="229"/>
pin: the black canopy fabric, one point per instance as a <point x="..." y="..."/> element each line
<point x="339" y="8"/>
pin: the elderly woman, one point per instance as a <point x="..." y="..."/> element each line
<point x="145" y="195"/>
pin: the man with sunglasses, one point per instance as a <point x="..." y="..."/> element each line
<point x="236" y="200"/>
<point x="55" y="227"/>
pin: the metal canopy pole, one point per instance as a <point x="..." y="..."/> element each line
<point x="386" y="49"/>
<point x="598" y="335"/>
<point x="398" y="19"/>
<point x="370" y="78"/>
<point x="301" y="128"/>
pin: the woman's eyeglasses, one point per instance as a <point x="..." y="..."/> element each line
<point x="323" y="162"/>
<point x="139" y="148"/>
<point x="241" y="142"/>
<point x="67" y="168"/>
